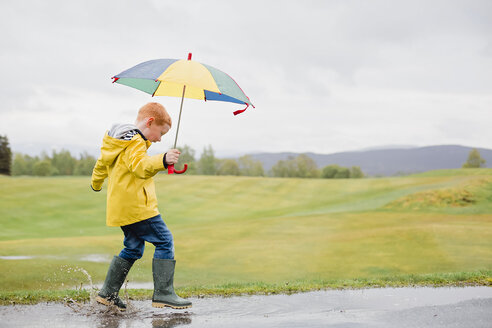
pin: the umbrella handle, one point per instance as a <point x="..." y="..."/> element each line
<point x="171" y="170"/>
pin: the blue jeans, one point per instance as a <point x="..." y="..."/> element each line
<point x="153" y="231"/>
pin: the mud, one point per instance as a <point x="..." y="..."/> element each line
<point x="385" y="307"/>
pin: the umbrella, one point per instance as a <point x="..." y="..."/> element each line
<point x="185" y="79"/>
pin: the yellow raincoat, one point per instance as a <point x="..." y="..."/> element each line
<point x="131" y="193"/>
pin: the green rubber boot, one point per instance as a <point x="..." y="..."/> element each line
<point x="108" y="295"/>
<point x="164" y="295"/>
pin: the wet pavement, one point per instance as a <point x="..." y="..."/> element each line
<point x="384" y="307"/>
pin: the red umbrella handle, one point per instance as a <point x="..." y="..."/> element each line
<point x="171" y="170"/>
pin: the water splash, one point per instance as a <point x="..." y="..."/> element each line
<point x="129" y="305"/>
<point x="93" y="307"/>
<point x="92" y="289"/>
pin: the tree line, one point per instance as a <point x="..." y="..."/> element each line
<point x="64" y="163"/>
<point x="302" y="166"/>
<point x="58" y="163"/>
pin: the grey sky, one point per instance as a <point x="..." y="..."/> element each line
<point x="325" y="76"/>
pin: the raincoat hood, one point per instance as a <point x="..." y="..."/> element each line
<point x="119" y="130"/>
<point x="113" y="145"/>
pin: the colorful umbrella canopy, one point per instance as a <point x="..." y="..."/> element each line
<point x="167" y="77"/>
<point x="185" y="79"/>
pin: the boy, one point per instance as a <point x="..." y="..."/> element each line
<point x="132" y="204"/>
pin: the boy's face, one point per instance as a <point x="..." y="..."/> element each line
<point x="153" y="132"/>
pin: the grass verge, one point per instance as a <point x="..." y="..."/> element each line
<point x="455" y="279"/>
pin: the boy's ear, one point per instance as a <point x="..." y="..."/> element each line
<point x="149" y="121"/>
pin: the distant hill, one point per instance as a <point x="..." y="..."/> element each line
<point x="388" y="162"/>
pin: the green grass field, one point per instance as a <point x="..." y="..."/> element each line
<point x="240" y="231"/>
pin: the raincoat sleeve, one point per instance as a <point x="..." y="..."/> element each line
<point x="139" y="163"/>
<point x="99" y="173"/>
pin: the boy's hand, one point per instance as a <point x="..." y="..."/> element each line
<point x="172" y="156"/>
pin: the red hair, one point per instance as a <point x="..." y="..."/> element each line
<point x="155" y="110"/>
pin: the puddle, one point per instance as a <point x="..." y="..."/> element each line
<point x="18" y="257"/>
<point x="385" y="307"/>
<point x="98" y="258"/>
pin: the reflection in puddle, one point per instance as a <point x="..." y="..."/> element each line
<point x="112" y="317"/>
<point x="167" y="320"/>
<point x="138" y="314"/>
<point x="171" y="320"/>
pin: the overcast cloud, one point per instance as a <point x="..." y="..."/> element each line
<point x="325" y="76"/>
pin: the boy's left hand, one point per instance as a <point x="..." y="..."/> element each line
<point x="172" y="156"/>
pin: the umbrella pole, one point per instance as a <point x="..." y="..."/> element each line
<point x="181" y="109"/>
<point x="170" y="167"/>
<point x="179" y="119"/>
